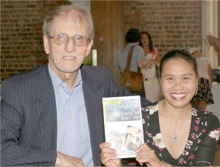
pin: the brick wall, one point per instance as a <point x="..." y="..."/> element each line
<point x="172" y="24"/>
<point x="21" y="34"/>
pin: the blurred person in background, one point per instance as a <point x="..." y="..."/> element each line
<point x="204" y="94"/>
<point x="151" y="84"/>
<point x="132" y="39"/>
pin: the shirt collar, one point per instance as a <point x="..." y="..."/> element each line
<point x="57" y="82"/>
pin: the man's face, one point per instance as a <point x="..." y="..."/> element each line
<point x="66" y="57"/>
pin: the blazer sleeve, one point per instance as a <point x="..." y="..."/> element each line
<point x="13" y="153"/>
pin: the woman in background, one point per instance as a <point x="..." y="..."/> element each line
<point x="151" y="84"/>
<point x="132" y="39"/>
<point x="175" y="132"/>
<point x="204" y="95"/>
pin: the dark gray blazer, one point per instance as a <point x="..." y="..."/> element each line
<point x="28" y="114"/>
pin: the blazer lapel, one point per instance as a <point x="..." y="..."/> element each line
<point x="93" y="101"/>
<point x="46" y="106"/>
<point x="93" y="98"/>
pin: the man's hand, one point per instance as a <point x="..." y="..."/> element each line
<point x="107" y="153"/>
<point x="66" y="160"/>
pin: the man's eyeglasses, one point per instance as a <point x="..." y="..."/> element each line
<point x="62" y="38"/>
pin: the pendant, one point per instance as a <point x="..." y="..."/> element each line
<point x="175" y="139"/>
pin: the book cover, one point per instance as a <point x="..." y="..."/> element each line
<point x="123" y="124"/>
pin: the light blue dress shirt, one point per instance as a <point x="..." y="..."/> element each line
<point x="73" y="136"/>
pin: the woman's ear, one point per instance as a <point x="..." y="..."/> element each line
<point x="46" y="44"/>
<point x="197" y="85"/>
<point x="160" y="83"/>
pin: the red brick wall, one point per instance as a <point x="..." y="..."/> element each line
<point x="21" y="34"/>
<point x="172" y="24"/>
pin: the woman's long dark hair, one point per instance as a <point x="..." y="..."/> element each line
<point x="151" y="47"/>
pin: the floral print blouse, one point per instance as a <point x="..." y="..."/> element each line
<point x="202" y="141"/>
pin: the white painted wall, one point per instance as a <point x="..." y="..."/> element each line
<point x="210" y="27"/>
<point x="85" y="3"/>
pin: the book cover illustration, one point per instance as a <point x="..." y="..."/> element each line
<point x="123" y="124"/>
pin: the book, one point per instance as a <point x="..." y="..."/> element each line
<point x="123" y="124"/>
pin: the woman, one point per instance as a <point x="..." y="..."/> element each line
<point x="151" y="84"/>
<point x="132" y="39"/>
<point x="175" y="132"/>
<point x="204" y="95"/>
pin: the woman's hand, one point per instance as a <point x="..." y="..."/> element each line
<point x="108" y="154"/>
<point x="147" y="156"/>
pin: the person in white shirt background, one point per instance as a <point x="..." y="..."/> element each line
<point x="204" y="94"/>
<point x="151" y="84"/>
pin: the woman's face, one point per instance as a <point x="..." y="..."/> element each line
<point x="197" y="54"/>
<point x="178" y="82"/>
<point x="144" y="40"/>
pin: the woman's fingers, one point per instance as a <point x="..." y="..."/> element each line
<point x="144" y="154"/>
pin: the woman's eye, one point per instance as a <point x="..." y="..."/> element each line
<point x="186" y="78"/>
<point x="169" y="78"/>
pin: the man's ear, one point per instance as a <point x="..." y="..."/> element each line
<point x="89" y="48"/>
<point x="160" y="82"/>
<point x="46" y="44"/>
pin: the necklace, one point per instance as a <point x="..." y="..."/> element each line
<point x="175" y="137"/>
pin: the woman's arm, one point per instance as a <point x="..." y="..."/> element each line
<point x="157" y="57"/>
<point x="205" y="153"/>
<point x="210" y="75"/>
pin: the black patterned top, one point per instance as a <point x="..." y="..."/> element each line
<point x="202" y="141"/>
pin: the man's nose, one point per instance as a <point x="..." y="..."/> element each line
<point x="70" y="45"/>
